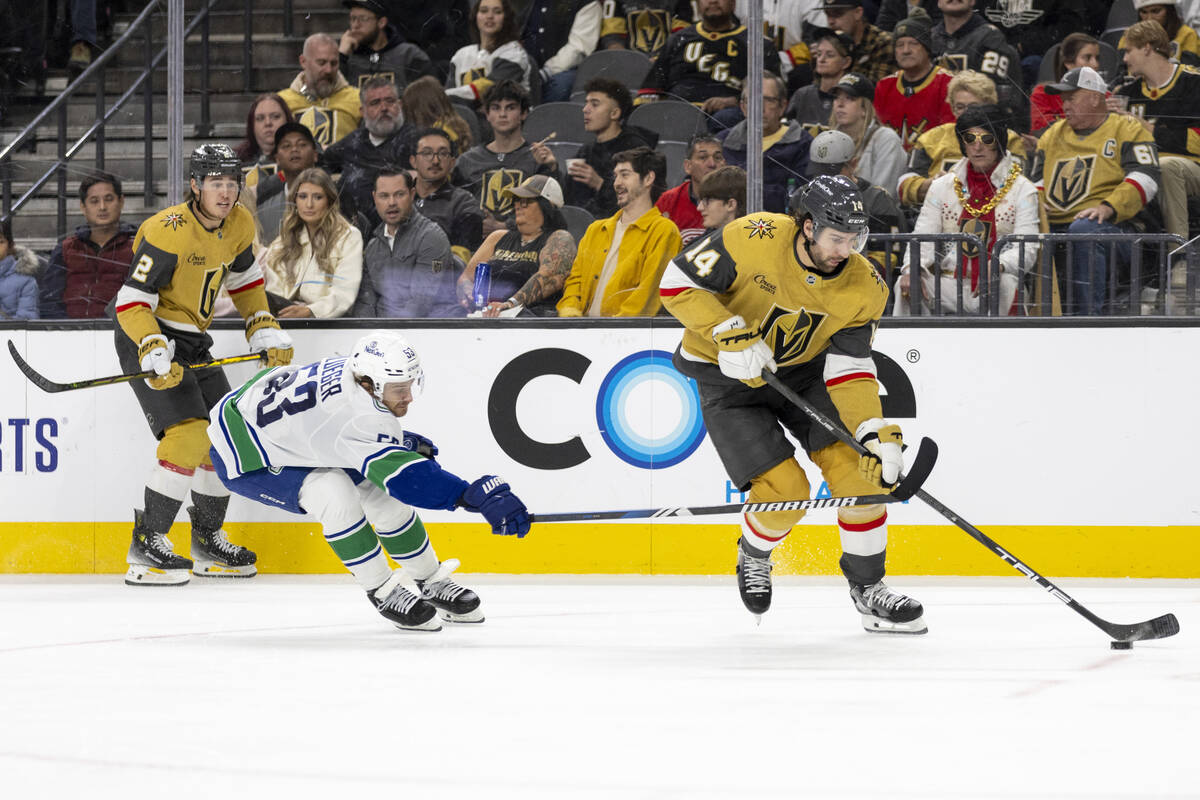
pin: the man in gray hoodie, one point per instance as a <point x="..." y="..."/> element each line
<point x="408" y="270"/>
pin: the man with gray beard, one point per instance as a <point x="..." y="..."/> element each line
<point x="319" y="97"/>
<point x="381" y="142"/>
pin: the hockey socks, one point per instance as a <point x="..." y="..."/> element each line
<point x="408" y="545"/>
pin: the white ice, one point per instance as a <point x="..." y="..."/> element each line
<point x="581" y="687"/>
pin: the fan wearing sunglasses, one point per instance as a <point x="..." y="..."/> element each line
<point x="985" y="195"/>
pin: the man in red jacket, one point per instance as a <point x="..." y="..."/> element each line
<point x="679" y="204"/>
<point x="88" y="267"/>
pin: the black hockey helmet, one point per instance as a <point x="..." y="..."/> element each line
<point x="214" y="159"/>
<point x="834" y="202"/>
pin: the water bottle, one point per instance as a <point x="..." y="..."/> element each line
<point x="481" y="291"/>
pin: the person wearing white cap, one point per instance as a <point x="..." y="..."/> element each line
<point x="529" y="260"/>
<point x="1096" y="171"/>
<point x="1185" y="43"/>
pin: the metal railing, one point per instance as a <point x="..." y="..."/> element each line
<point x="891" y="249"/>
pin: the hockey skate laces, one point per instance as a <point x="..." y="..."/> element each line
<point x="161" y="544"/>
<point x="221" y="543"/>
<point x="399" y="600"/>
<point x="758" y="574"/>
<point x="880" y="595"/>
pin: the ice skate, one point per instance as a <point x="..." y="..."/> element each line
<point x="152" y="559"/>
<point x="217" y="557"/>
<point x="886" y="611"/>
<point x="453" y="602"/>
<point x="402" y="608"/>
<point x="754" y="580"/>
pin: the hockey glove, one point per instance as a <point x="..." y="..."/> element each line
<point x="156" y="352"/>
<point x="265" y="336"/>
<point x="884" y="459"/>
<point x="503" y="510"/>
<point x="741" y="353"/>
<point x="419" y="444"/>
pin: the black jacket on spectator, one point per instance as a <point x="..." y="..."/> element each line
<point x="486" y="175"/>
<point x="359" y="160"/>
<point x="892" y="11"/>
<point x="786" y="161"/>
<point x="438" y="27"/>
<point x="458" y="214"/>
<point x="399" y="60"/>
<point x="695" y="65"/>
<point x="599" y="155"/>
<point x="1035" y="30"/>
<point x="981" y="46"/>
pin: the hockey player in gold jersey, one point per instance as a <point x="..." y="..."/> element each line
<point x="1095" y="171"/>
<point x="181" y="257"/>
<point x="792" y="294"/>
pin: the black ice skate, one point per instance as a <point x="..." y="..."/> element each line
<point x="402" y="608"/>
<point x="216" y="556"/>
<point x="886" y="611"/>
<point x="754" y="580"/>
<point x="152" y="559"/>
<point x="454" y="603"/>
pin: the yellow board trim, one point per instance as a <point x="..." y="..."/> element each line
<point x="647" y="549"/>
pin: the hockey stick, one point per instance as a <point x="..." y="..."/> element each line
<point x="47" y="385"/>
<point x="922" y="465"/>
<point x="1157" y="628"/>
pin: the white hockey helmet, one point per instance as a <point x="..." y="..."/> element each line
<point x="386" y="357"/>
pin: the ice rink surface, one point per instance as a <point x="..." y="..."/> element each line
<point x="592" y="688"/>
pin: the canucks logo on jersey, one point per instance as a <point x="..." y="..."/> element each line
<point x="1070" y="181"/>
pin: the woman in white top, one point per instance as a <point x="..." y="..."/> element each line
<point x="316" y="261"/>
<point x="496" y="56"/>
<point x="986" y="195"/>
<point x="880" y="153"/>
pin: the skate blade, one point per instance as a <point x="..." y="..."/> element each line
<point x="213" y="569"/>
<point x="472" y="617"/>
<point x="431" y="626"/>
<point x="873" y="624"/>
<point x="142" y="575"/>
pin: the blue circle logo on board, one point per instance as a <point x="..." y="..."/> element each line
<point x="648" y="413"/>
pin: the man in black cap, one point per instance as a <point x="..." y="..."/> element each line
<point x="295" y="151"/>
<point x="373" y="46"/>
<point x="871" y="53"/>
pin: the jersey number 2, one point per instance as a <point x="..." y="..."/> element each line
<point x="276" y="403"/>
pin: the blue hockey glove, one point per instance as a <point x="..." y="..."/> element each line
<point x="503" y="510"/>
<point x="419" y="444"/>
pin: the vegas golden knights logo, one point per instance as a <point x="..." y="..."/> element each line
<point x="472" y="75"/>
<point x="391" y="76"/>
<point x="954" y="62"/>
<point x="979" y="228"/>
<point x="648" y="30"/>
<point x="492" y="186"/>
<point x="911" y="134"/>
<point x="320" y="122"/>
<point x="1070" y="182"/>
<point x="789" y="333"/>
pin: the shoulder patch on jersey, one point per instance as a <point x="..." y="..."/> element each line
<point x="762" y="228"/>
<point x="174" y="221"/>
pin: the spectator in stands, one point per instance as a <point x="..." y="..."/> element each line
<point x="408" y="270"/>
<point x="497" y="54"/>
<point x="878" y="148"/>
<point x="319" y="97"/>
<point x="373" y="47"/>
<point x="257" y="150"/>
<point x="455" y="210"/>
<point x="936" y="151"/>
<point x="643" y="25"/>
<point x="559" y="36"/>
<point x="1095" y="170"/>
<point x="1185" y="44"/>
<point x="705" y="64"/>
<point x="621" y="259"/>
<point x="832" y="153"/>
<point x="812" y="104"/>
<point x="892" y="11"/>
<point x="19" y="271"/>
<point x="381" y="141"/>
<point x="785" y="153"/>
<point x="966" y="40"/>
<point x="530" y="260"/>
<point x="1033" y="28"/>
<point x="425" y="105"/>
<point x="439" y="28"/>
<point x="722" y="197"/>
<point x="871" y="53"/>
<point x="791" y="25"/>
<point x="681" y="203"/>
<point x="87" y="268"/>
<point x="913" y="100"/>
<point x="267" y="200"/>
<point x="487" y="170"/>
<point x="606" y="106"/>
<point x="314" y="266"/>
<point x="1165" y="97"/>
<point x="986" y="195"/>
<point x="1077" y="50"/>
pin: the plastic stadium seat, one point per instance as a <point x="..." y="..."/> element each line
<point x="565" y="120"/>
<point x="562" y="151"/>
<point x="670" y="119"/>
<point x="1121" y="15"/>
<point x="674" y="152"/>
<point x="627" y="66"/>
<point x="578" y="220"/>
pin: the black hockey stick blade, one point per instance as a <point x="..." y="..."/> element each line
<point x="47" y="385"/>
<point x="729" y="508"/>
<point x="918" y="470"/>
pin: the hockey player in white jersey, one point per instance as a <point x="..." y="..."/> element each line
<point x="325" y="439"/>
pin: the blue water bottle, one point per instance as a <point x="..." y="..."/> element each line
<point x="482" y="290"/>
